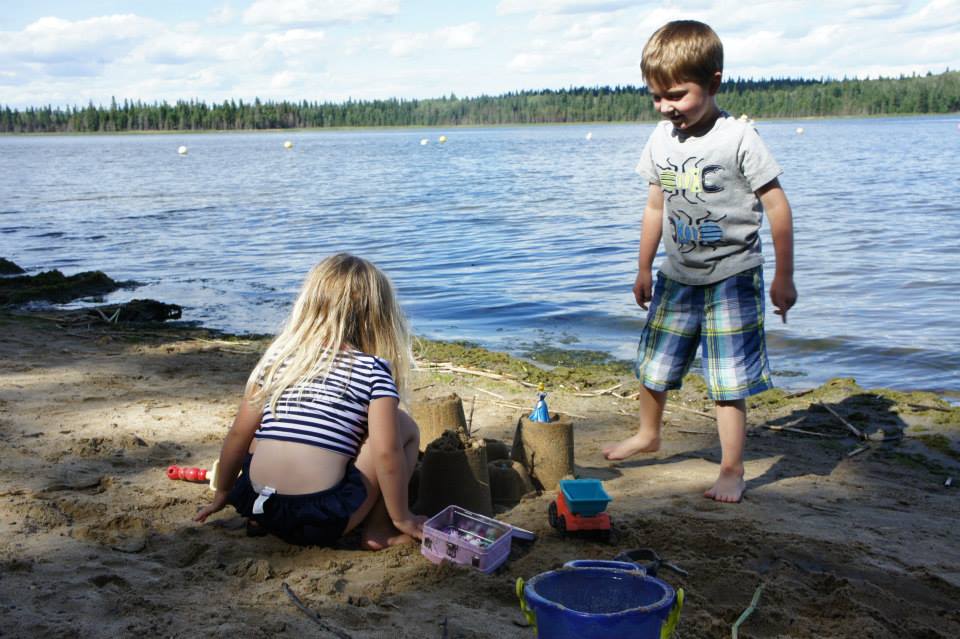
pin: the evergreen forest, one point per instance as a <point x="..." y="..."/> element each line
<point x="932" y="93"/>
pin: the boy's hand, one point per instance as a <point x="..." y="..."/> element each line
<point x="643" y="288"/>
<point x="783" y="294"/>
<point x="217" y="504"/>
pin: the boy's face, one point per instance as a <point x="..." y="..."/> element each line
<point x="688" y="105"/>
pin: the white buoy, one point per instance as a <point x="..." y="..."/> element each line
<point x="589" y="135"/>
<point x="288" y="144"/>
<point x="799" y="130"/>
<point x="442" y="139"/>
<point x="182" y="150"/>
<point x="424" y="141"/>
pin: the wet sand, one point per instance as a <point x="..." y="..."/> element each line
<point x="95" y="541"/>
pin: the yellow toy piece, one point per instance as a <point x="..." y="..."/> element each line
<point x="528" y="614"/>
<point x="670" y="625"/>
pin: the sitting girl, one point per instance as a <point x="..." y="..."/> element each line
<point x="319" y="437"/>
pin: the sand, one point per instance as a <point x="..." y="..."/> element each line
<point x="95" y="541"/>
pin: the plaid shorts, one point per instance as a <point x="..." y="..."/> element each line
<point x="725" y="318"/>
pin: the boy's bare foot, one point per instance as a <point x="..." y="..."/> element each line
<point x="639" y="443"/>
<point x="728" y="488"/>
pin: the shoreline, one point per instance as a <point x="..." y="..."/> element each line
<point x="412" y="127"/>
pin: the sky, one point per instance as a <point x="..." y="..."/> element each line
<point x="72" y="52"/>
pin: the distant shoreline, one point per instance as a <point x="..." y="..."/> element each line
<point x="347" y="129"/>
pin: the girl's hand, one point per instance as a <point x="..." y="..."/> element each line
<point x="411" y="525"/>
<point x="216" y="505"/>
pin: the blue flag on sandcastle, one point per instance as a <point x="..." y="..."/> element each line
<point x="540" y="412"/>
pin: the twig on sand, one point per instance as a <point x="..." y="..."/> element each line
<point x="598" y="393"/>
<point x="695" y="432"/>
<point x="746" y="613"/>
<point x="857" y="451"/>
<point x="695" y="412"/>
<point x="490" y="393"/>
<point x="925" y="407"/>
<point x="311" y="614"/>
<point x="801" y="431"/>
<point x="473" y="404"/>
<point x="853" y="429"/>
<point x="447" y="366"/>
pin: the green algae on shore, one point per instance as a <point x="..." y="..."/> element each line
<point x="595" y="372"/>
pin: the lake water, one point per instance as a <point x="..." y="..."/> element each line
<point x="509" y="237"/>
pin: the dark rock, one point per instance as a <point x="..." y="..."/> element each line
<point x="137" y="311"/>
<point x="9" y="268"/>
<point x="54" y="286"/>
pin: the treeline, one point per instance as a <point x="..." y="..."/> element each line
<point x="758" y="98"/>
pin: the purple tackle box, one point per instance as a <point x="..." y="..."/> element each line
<point x="463" y="537"/>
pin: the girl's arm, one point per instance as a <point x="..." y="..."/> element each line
<point x="232" y="454"/>
<point x="390" y="462"/>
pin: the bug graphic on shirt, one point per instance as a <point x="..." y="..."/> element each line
<point x="691" y="233"/>
<point x="683" y="180"/>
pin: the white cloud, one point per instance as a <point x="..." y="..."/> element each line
<point x="528" y="62"/>
<point x="296" y="42"/>
<point x="405" y="44"/>
<point x="53" y="40"/>
<point x="317" y="12"/>
<point x="460" y="36"/>
<point x="222" y="15"/>
<point x="506" y="7"/>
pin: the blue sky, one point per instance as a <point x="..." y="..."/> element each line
<point x="72" y="52"/>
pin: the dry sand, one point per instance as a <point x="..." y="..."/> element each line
<point x="95" y="541"/>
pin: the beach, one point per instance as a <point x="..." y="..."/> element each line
<point x="849" y="537"/>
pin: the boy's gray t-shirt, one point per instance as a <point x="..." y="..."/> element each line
<point x="711" y="214"/>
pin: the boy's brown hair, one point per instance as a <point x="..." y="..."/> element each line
<point x="682" y="51"/>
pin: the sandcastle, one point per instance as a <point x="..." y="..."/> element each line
<point x="478" y="474"/>
<point x="437" y="415"/>
<point x="453" y="470"/>
<point x="545" y="449"/>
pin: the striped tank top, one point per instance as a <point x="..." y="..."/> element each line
<point x="331" y="413"/>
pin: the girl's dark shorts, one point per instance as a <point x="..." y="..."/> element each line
<point x="312" y="519"/>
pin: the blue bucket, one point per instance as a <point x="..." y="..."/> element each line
<point x="592" y="602"/>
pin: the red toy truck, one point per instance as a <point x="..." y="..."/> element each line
<point x="580" y="506"/>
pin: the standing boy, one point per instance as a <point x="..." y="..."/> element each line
<point x="711" y="178"/>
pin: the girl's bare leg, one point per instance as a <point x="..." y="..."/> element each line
<point x="378" y="531"/>
<point x="647" y="437"/>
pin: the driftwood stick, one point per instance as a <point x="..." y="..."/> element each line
<point x="490" y="393"/>
<point x="598" y="393"/>
<point x="857" y="451"/>
<point x="695" y="432"/>
<point x="695" y="412"/>
<point x="313" y="615"/>
<point x="853" y="429"/>
<point x="473" y="404"/>
<point x="801" y="431"/>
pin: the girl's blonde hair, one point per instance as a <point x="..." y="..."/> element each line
<point x="682" y="51"/>
<point x="346" y="302"/>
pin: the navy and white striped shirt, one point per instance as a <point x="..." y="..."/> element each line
<point x="331" y="413"/>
